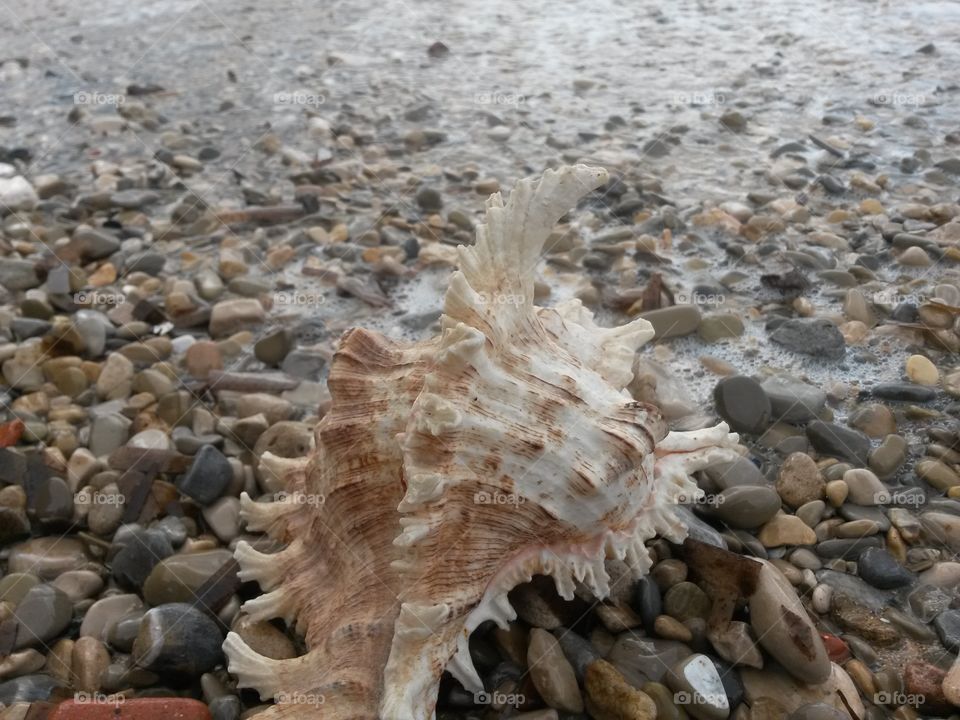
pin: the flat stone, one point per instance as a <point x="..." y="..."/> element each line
<point x="855" y="617"/>
<point x="209" y="476"/>
<point x="714" y="328"/>
<point x="838" y="441"/>
<point x="782" y="627"/>
<point x="265" y="639"/>
<point x="178" y="578"/>
<point x="881" y="569"/>
<point x="742" y="402"/>
<point x="673" y="321"/>
<point x="738" y="472"/>
<point x="136" y="552"/>
<point x="698" y="688"/>
<point x="609" y="695"/>
<point x="734" y="642"/>
<point x="811" y="336"/>
<point x="18" y="274"/>
<point x="101" y="616"/>
<point x="874" y="420"/>
<point x="48" y="557"/>
<point x="178" y="639"/>
<point x="28" y="689"/>
<point x="643" y="660"/>
<point x="42" y="613"/>
<point x="747" y="506"/>
<point x="947" y="625"/>
<point x="230" y="316"/>
<point x="684" y="601"/>
<point x="786" y="530"/>
<point x="792" y="400"/>
<point x="552" y="674"/>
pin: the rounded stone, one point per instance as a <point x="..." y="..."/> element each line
<point x="741" y="401"/>
<point x="685" y="600"/>
<point x="178" y="639"/>
<point x="799" y="480"/>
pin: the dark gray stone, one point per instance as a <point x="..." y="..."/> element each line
<point x="811" y="336"/>
<point x="881" y="569"/>
<point x="208" y="476"/>
<point x="839" y="441"/>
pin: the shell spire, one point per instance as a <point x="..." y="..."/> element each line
<point x="454" y="470"/>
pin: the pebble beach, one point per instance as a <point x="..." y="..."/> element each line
<point x="197" y="200"/>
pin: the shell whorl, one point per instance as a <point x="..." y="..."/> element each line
<point x="453" y="470"/>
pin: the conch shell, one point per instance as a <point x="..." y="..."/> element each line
<point x="454" y="469"/>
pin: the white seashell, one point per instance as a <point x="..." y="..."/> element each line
<point x="451" y="471"/>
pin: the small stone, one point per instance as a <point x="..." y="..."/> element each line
<point x="793" y="400"/>
<point x="865" y="488"/>
<point x="799" y="480"/>
<point x="552" y="674"/>
<point x="838" y="441"/>
<point x="947" y="625"/>
<point x="429" y="199"/>
<point x="921" y="371"/>
<point x="116" y="378"/>
<point x="886" y="459"/>
<point x="48" y="557"/>
<point x="811" y="336"/>
<point x="741" y="401"/>
<point x="914" y="257"/>
<point x="782" y="627"/>
<point x="880" y="569"/>
<point x="938" y="474"/>
<point x="673" y="321"/>
<point x="874" y="420"/>
<point x="685" y="600"/>
<point x="89" y="659"/>
<point x="735" y="643"/>
<point x="208" y="477"/>
<point x="223" y="518"/>
<point x="669" y="629"/>
<point x="42" y="613"/>
<point x="17" y="194"/>
<point x="202" y="357"/>
<point x="698" y="688"/>
<point x="105" y="612"/>
<point x="720" y="327"/>
<point x="231" y="316"/>
<point x="178" y="639"/>
<point x="786" y="530"/>
<point x="138" y="552"/>
<point x="951" y="684"/>
<point x="861" y="620"/>
<point x="273" y="348"/>
<point x="747" y="506"/>
<point x="178" y="578"/>
<point x="609" y="697"/>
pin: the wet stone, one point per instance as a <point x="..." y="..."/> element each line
<point x="881" y="569"/>
<point x="698" y="688"/>
<point x="947" y="625"/>
<point x="208" y="477"/>
<point x="742" y="402"/>
<point x="178" y="639"/>
<point x="792" y="400"/>
<point x="747" y="506"/>
<point x="136" y="552"/>
<point x="685" y="601"/>
<point x="838" y="441"/>
<point x="674" y="321"/>
<point x="42" y="614"/>
<point x="178" y="578"/>
<point x="799" y="480"/>
<point x="811" y="336"/>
